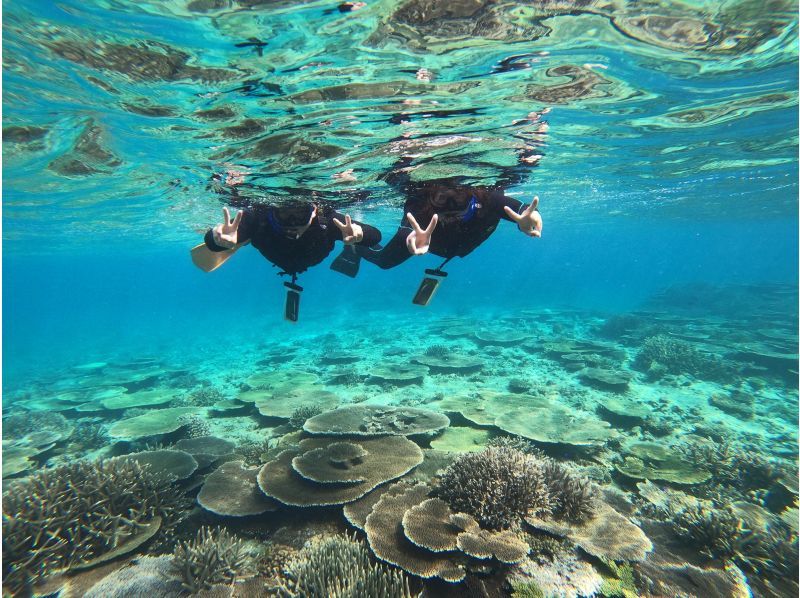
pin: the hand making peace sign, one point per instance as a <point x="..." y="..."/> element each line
<point x="352" y="233"/>
<point x="227" y="233"/>
<point x="418" y="240"/>
<point x="530" y="221"/>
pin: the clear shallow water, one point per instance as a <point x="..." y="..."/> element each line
<point x="670" y="163"/>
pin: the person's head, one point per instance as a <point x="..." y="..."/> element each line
<point x="454" y="206"/>
<point x="292" y="220"/>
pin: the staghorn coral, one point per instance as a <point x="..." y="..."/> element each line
<point x="498" y="486"/>
<point x="716" y="532"/>
<point x="194" y="426"/>
<point x="74" y="514"/>
<point x="88" y="436"/>
<point x="253" y="452"/>
<point x="662" y="354"/>
<point x="742" y="468"/>
<point x="437" y="351"/>
<point x="302" y="413"/>
<point x="572" y="496"/>
<point x="518" y="443"/>
<point x="340" y="567"/>
<point x="773" y="552"/>
<point x="18" y="425"/>
<point x="213" y="557"/>
<point x="205" y="397"/>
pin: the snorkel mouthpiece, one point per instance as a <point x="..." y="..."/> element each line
<point x="469" y="213"/>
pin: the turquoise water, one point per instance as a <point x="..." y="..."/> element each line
<point x="667" y="186"/>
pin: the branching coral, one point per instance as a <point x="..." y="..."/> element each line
<point x="213" y="557"/>
<point x="70" y="515"/>
<point x="340" y="567"/>
<point x="572" y="496"/>
<point x="498" y="486"/>
<point x="716" y="532"/>
<point x="206" y="397"/>
<point x="719" y="533"/>
<point x="735" y="466"/>
<point x="89" y="436"/>
<point x="512" y="479"/>
<point x="301" y="414"/>
<point x="18" y="425"/>
<point x="195" y="426"/>
<point x="662" y="353"/>
<point x="772" y="552"/>
<point x="437" y="351"/>
<point x="518" y="443"/>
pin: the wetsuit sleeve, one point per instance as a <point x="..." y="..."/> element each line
<point x="393" y="254"/>
<point x="372" y="236"/>
<point x="245" y="232"/>
<point x="515" y="204"/>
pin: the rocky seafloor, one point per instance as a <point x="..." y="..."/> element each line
<point x="534" y="453"/>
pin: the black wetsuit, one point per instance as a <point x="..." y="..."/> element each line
<point x="293" y="256"/>
<point x="467" y="217"/>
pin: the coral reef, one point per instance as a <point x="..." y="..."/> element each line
<point x="608" y="534"/>
<point x="148" y="576"/>
<point x="253" y="452"/>
<point x="661" y="354"/>
<point x="452" y="363"/>
<point x="232" y="490"/>
<point x="150" y="423"/>
<point x="739" y="467"/>
<point x="170" y="464"/>
<point x="461" y="440"/>
<point x="88" y="436"/>
<point x="49" y="524"/>
<point x="205" y="397"/>
<point x="369" y="420"/>
<point x="214" y="556"/>
<point x="384" y="458"/>
<point x="572" y="496"/>
<point x="398" y="374"/>
<point x="517" y="443"/>
<point x="497" y="486"/>
<point x="548" y="421"/>
<point x="302" y="413"/>
<point x="389" y="543"/>
<point x="518" y="385"/>
<point x="18" y="425"/>
<point x="206" y="449"/>
<point x="437" y="351"/>
<point x="340" y="567"/>
<point x="716" y="532"/>
<point x="194" y="426"/>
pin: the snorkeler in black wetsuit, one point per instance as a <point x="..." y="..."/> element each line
<point x="293" y="237"/>
<point x="450" y="219"/>
<point x="463" y="217"/>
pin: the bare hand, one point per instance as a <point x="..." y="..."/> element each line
<point x="227" y="233"/>
<point x="352" y="233"/>
<point x="530" y="221"/>
<point x="418" y="240"/>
